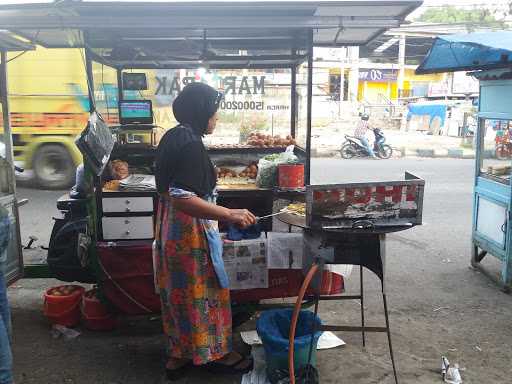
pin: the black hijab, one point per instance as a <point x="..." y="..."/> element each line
<point x="182" y="160"/>
<point x="195" y="105"/>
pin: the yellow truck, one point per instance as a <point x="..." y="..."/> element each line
<point x="48" y="100"/>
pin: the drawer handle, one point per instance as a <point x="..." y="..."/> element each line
<point x="127" y="210"/>
<point x="127" y="232"/>
<point x="127" y="201"/>
<point x="127" y="221"/>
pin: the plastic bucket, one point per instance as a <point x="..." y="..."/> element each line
<point x="63" y="309"/>
<point x="96" y="316"/>
<point x="274" y="327"/>
<point x="291" y="176"/>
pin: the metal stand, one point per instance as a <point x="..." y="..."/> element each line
<point x="363" y="328"/>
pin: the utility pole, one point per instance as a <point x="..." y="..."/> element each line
<point x="342" y="57"/>
<point x="354" y="73"/>
<point x="401" y="65"/>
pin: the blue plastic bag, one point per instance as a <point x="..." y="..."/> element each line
<point x="249" y="233"/>
<point x="273" y="327"/>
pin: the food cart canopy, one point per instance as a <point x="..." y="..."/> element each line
<point x="469" y="52"/>
<point x="226" y="34"/>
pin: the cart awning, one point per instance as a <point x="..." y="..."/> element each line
<point x="225" y="33"/>
<point x="469" y="52"/>
<point x="9" y="42"/>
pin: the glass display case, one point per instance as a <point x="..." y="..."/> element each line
<point x="492" y="233"/>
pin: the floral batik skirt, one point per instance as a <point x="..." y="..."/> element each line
<point x="196" y="311"/>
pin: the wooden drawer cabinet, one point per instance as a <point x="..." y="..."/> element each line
<point x="127" y="228"/>
<point x="127" y="204"/>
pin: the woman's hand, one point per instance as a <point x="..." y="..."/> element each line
<point x="241" y="217"/>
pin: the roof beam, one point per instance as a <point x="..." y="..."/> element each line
<point x="192" y="22"/>
<point x="386" y="45"/>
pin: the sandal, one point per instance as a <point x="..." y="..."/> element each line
<point x="231" y="369"/>
<point x="177" y="373"/>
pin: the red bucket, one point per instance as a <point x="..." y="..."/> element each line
<point x="95" y="315"/>
<point x="291" y="176"/>
<point x="62" y="304"/>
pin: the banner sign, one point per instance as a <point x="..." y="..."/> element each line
<point x="378" y="75"/>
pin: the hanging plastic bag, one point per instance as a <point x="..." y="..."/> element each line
<point x="267" y="167"/>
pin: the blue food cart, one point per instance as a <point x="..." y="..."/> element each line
<point x="488" y="57"/>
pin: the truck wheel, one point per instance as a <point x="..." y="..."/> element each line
<point x="53" y="167"/>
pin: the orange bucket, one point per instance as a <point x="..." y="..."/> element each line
<point x="95" y="315"/>
<point x="62" y="304"/>
<point x="291" y="176"/>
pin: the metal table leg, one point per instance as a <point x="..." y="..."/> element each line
<point x="389" y="336"/>
<point x="362" y="304"/>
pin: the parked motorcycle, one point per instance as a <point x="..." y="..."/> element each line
<point x="352" y="147"/>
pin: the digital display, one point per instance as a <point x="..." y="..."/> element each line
<point x="135" y="111"/>
<point x="135" y="82"/>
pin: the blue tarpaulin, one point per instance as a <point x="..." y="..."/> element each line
<point x="433" y="110"/>
<point x="469" y="52"/>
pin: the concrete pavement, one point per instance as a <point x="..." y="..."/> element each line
<point x="438" y="306"/>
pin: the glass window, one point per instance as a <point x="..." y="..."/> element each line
<point x="105" y="91"/>
<point x="255" y="100"/>
<point x="496" y="142"/>
<point x="302" y="105"/>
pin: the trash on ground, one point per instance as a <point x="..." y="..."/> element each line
<point x="451" y="374"/>
<point x="251" y="337"/>
<point x="328" y="340"/>
<point x="305" y="375"/>
<point x="60" y="330"/>
<point x="259" y="373"/>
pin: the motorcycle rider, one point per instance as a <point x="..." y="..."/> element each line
<point x="360" y="133"/>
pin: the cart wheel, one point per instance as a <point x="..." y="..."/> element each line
<point x="385" y="151"/>
<point x="347" y="152"/>
<point x="502" y="152"/>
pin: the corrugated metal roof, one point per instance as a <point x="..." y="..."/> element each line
<point x="153" y="32"/>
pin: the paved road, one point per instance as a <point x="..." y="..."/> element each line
<point x="447" y="199"/>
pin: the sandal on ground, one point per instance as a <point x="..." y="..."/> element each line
<point x="177" y="373"/>
<point x="232" y="369"/>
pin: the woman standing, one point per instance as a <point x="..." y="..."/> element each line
<point x="194" y="291"/>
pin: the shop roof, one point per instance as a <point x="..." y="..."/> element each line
<point x="224" y="33"/>
<point x="8" y="42"/>
<point x="469" y="52"/>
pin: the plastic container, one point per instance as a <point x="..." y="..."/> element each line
<point x="274" y="327"/>
<point x="63" y="309"/>
<point x="291" y="176"/>
<point x="95" y="315"/>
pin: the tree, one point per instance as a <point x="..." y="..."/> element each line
<point x="450" y="14"/>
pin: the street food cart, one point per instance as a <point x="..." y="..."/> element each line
<point x="112" y="231"/>
<point x="488" y="56"/>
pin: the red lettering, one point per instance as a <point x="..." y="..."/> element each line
<point x="411" y="192"/>
<point x="334" y="196"/>
<point x="363" y="196"/>
<point x="395" y="193"/>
